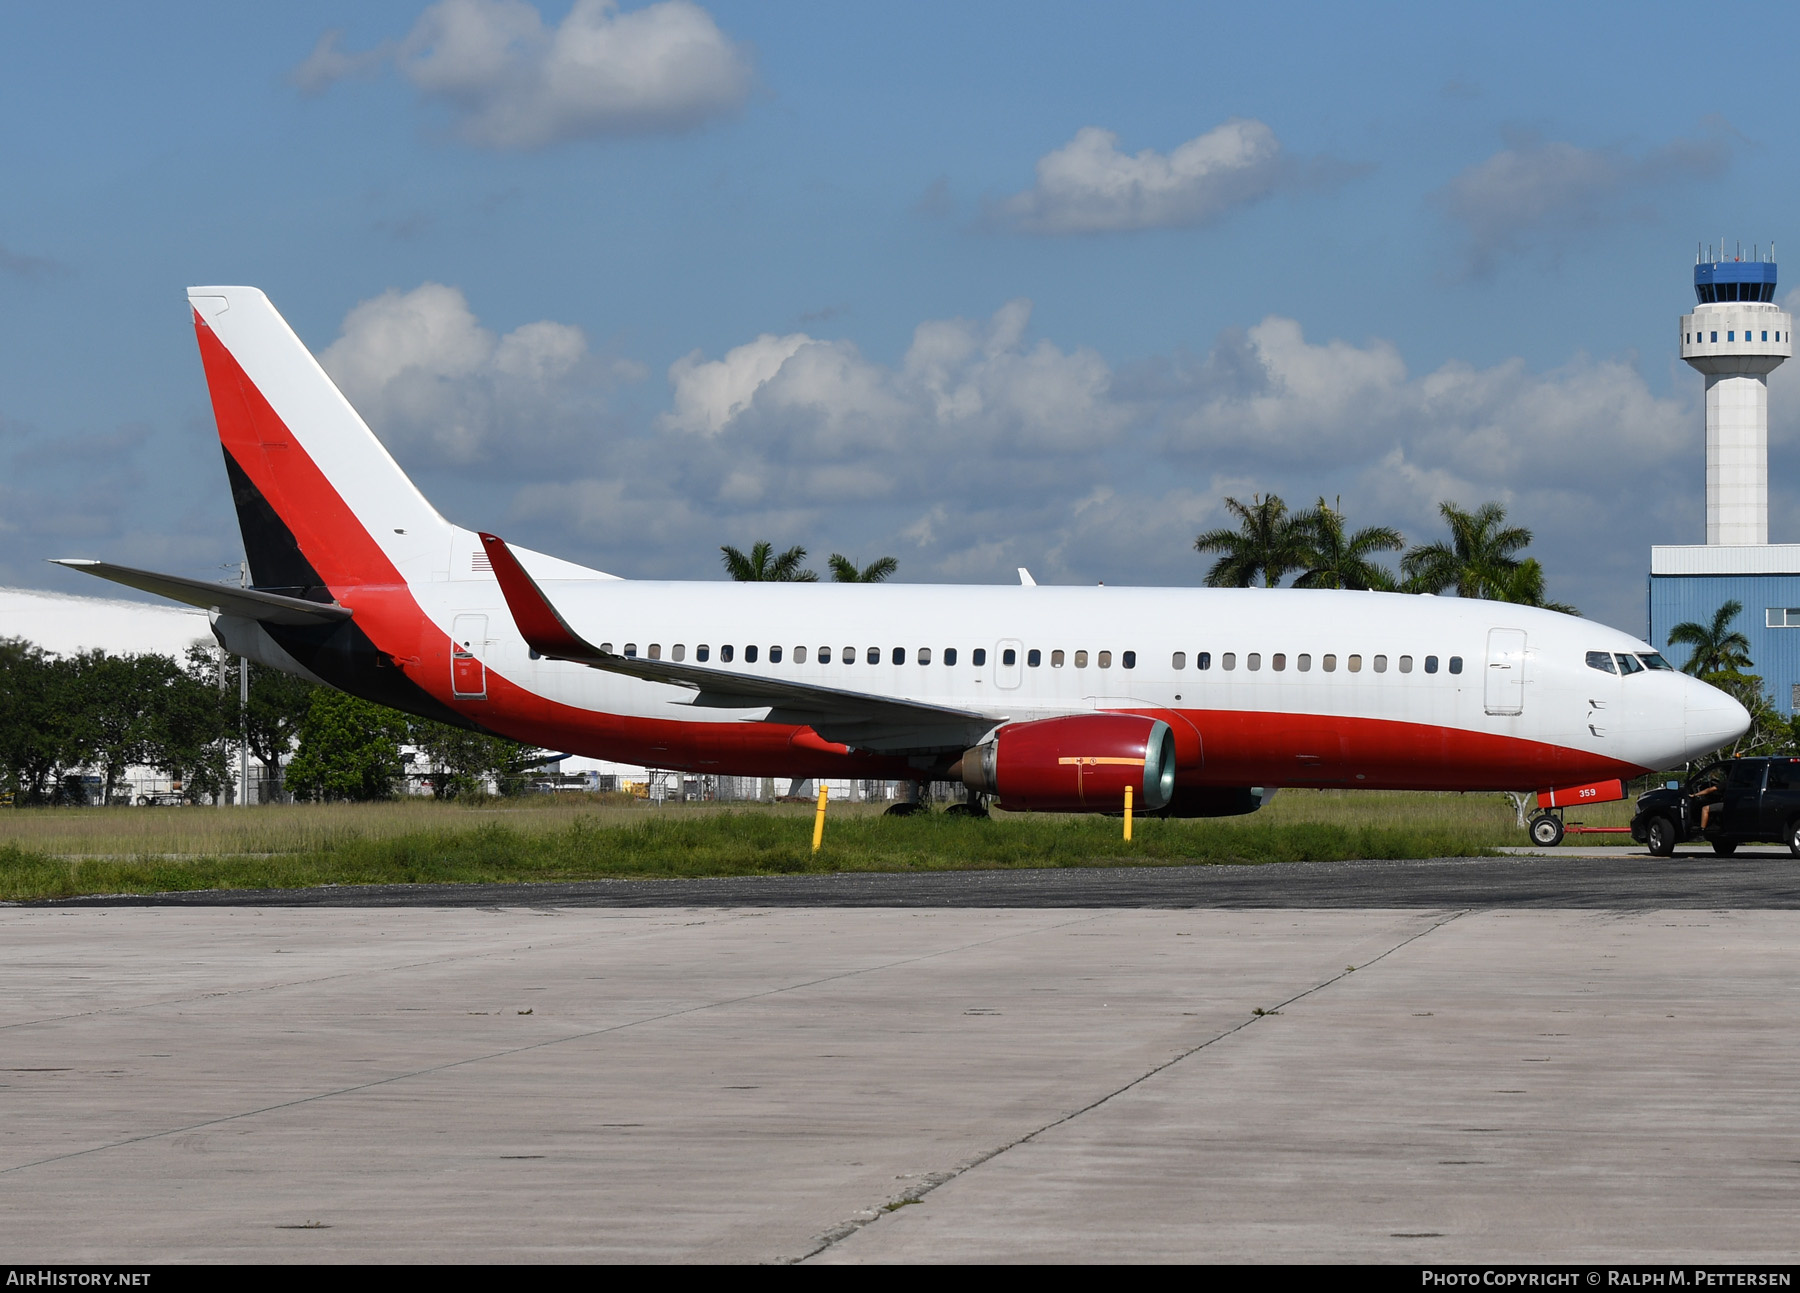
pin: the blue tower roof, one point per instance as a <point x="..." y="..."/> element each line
<point x="1734" y="280"/>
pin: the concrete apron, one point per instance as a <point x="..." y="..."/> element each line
<point x="750" y="1085"/>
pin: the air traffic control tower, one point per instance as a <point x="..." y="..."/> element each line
<point x="1735" y="337"/>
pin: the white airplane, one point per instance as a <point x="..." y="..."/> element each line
<point x="1202" y="701"/>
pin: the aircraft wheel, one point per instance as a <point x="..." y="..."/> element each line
<point x="1724" y="848"/>
<point x="905" y="809"/>
<point x="1546" y="831"/>
<point x="965" y="810"/>
<point x="1659" y="836"/>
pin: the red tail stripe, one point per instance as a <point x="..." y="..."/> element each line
<point x="329" y="534"/>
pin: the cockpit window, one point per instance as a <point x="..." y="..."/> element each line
<point x="1654" y="660"/>
<point x="1601" y="660"/>
<point x="1630" y="663"/>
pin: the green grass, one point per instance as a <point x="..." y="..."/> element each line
<point x="63" y="853"/>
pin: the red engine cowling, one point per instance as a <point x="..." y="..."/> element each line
<point x="1079" y="764"/>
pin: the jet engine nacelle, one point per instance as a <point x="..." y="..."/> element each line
<point x="1079" y="764"/>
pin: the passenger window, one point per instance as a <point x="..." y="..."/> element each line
<point x="1354" y="664"/>
<point x="1380" y="664"/>
<point x="849" y="655"/>
<point x="1203" y="660"/>
<point x="1228" y="660"/>
<point x="1430" y="664"/>
<point x="1303" y="663"/>
<point x="656" y="650"/>
<point x="1129" y="659"/>
<point x="824" y="655"/>
<point x="749" y="655"/>
<point x="873" y="655"/>
<point x="678" y="653"/>
<point x="1081" y="659"/>
<point x="1405" y="664"/>
<point x="1329" y="664"/>
<point x="1105" y="660"/>
<point x="799" y="655"/>
<point x="924" y="655"/>
<point x="1253" y="660"/>
<point x="631" y="650"/>
<point x="702" y="653"/>
<point x="1601" y="660"/>
<point x="1278" y="662"/>
<point x="899" y="656"/>
<point x="1009" y="656"/>
<point x="604" y="646"/>
<point x="1629" y="663"/>
<point x="1455" y="664"/>
<point x="725" y="654"/>
<point x="1056" y="659"/>
<point x="774" y="655"/>
<point x="1034" y="657"/>
<point x="978" y="655"/>
<point x="1178" y="660"/>
<point x="950" y="655"/>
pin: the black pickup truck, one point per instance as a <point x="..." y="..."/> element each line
<point x="1729" y="804"/>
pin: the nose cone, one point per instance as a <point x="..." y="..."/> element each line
<point x="1711" y="719"/>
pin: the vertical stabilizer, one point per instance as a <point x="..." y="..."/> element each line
<point x="322" y="503"/>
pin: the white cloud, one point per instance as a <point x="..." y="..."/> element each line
<point x="330" y="63"/>
<point x="708" y="394"/>
<point x="423" y="371"/>
<point x="514" y="83"/>
<point x="959" y="378"/>
<point x="1090" y="186"/>
<point x="1537" y="191"/>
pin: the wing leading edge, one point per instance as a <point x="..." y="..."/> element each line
<point x="851" y="718"/>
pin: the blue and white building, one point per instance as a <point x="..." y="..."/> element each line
<point x="1735" y="337"/>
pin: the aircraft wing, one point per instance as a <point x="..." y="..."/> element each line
<point x="270" y="608"/>
<point x="850" y="718"/>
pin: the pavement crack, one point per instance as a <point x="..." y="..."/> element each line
<point x="933" y="1180"/>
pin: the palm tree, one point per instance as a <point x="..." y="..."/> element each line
<point x="844" y="571"/>
<point x="1267" y="542"/>
<point x="1717" y="647"/>
<point x="1478" y="561"/>
<point x="1525" y="586"/>
<point x="763" y="567"/>
<point x="1334" y="561"/>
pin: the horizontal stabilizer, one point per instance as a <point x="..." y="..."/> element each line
<point x="269" y="608"/>
<point x="851" y="717"/>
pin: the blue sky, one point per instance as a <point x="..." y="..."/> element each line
<point x="977" y="286"/>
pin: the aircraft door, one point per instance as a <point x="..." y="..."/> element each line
<point x="1009" y="662"/>
<point x="1506" y="671"/>
<point x="1742" y="798"/>
<point x="468" y="653"/>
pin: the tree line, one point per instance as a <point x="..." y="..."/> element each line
<point x="1482" y="557"/>
<point x="67" y="718"/>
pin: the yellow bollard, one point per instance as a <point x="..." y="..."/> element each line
<point x="1128" y="814"/>
<point x="819" y="819"/>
